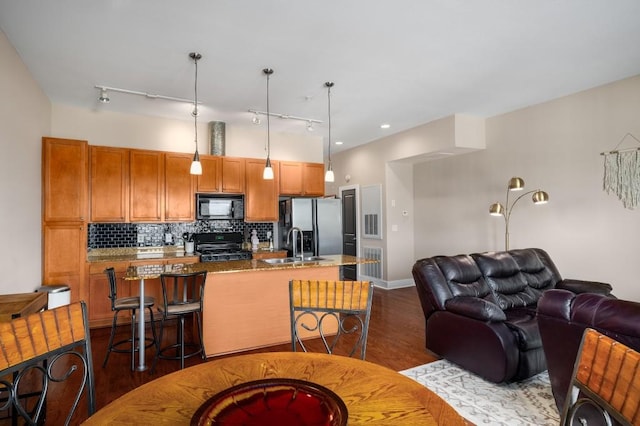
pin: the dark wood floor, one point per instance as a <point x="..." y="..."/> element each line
<point x="396" y="340"/>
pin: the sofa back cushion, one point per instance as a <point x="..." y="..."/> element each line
<point x="537" y="268"/>
<point x="442" y="278"/>
<point x="503" y="275"/>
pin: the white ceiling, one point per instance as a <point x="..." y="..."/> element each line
<point x="405" y="62"/>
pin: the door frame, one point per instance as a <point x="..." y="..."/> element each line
<point x="355" y="187"/>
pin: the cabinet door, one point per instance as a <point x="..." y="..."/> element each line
<point x="233" y="175"/>
<point x="146" y="192"/>
<point x="290" y="178"/>
<point x="100" y="313"/>
<point x="64" y="179"/>
<point x="179" y="199"/>
<point x="313" y="179"/>
<point x="64" y="255"/>
<point x="261" y="196"/>
<point x="211" y="177"/>
<point x="109" y="184"/>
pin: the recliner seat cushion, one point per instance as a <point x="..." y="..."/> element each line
<point x="524" y="325"/>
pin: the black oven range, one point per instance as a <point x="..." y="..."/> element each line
<point x="220" y="246"/>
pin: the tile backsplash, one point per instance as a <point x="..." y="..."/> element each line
<point x="113" y="235"/>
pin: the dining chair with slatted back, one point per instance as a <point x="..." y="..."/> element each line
<point x="337" y="312"/>
<point x="123" y="304"/>
<point x="605" y="386"/>
<point x="47" y="353"/>
<point x="182" y="296"/>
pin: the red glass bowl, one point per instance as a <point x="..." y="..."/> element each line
<point x="273" y="402"/>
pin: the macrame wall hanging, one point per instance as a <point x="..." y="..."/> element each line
<point x="622" y="173"/>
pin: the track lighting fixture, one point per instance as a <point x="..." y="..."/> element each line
<point x="267" y="174"/>
<point x="196" y="166"/>
<point x="257" y="114"/>
<point x="104" y="97"/>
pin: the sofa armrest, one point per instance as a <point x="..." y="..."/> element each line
<point x="581" y="286"/>
<point x="475" y="308"/>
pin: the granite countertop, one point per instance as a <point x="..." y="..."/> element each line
<point x="125" y="254"/>
<point x="171" y="252"/>
<point x="261" y="265"/>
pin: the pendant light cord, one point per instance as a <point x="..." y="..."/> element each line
<point x="329" y="108"/>
<point x="268" y="72"/>
<point x="195" y="104"/>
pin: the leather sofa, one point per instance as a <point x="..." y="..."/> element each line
<point x="562" y="318"/>
<point x="480" y="309"/>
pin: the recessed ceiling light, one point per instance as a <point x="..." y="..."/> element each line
<point x="338" y="142"/>
<point x="385" y="126"/>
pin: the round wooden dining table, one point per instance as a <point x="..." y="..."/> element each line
<point x="374" y="395"/>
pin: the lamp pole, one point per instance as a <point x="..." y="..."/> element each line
<point x="507" y="216"/>
<point x="497" y="209"/>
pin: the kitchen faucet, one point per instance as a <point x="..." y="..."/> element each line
<point x="295" y="251"/>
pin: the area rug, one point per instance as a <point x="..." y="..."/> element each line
<point x="529" y="402"/>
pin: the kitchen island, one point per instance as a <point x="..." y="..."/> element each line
<point x="246" y="303"/>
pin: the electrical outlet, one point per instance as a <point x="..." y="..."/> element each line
<point x="140" y="238"/>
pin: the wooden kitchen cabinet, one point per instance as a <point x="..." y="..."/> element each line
<point x="64" y="254"/>
<point x="233" y="175"/>
<point x="109" y="184"/>
<point x="211" y="178"/>
<point x="64" y="197"/>
<point x="313" y="179"/>
<point x="261" y="196"/>
<point x="290" y="178"/>
<point x="64" y="180"/>
<point x="146" y="186"/>
<point x="99" y="304"/>
<point x="305" y="179"/>
<point x="179" y="186"/>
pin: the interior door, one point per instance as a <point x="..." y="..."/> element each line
<point x="349" y="232"/>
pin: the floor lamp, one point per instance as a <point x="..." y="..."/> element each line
<point x="497" y="209"/>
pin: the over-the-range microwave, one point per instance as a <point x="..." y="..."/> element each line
<point x="219" y="207"/>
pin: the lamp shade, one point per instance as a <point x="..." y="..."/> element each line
<point x="540" y="197"/>
<point x="516" y="184"/>
<point x="496" y="209"/>
<point x="267" y="173"/>
<point x="196" y="166"/>
<point x="329" y="176"/>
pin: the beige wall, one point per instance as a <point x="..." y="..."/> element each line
<point x="554" y="146"/>
<point x="389" y="162"/>
<point x="24" y="118"/>
<point x="145" y="132"/>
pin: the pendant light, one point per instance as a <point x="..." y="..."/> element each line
<point x="267" y="174"/>
<point x="329" y="177"/>
<point x="196" y="166"/>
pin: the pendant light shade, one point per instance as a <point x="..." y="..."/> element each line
<point x="196" y="166"/>
<point x="267" y="174"/>
<point x="329" y="176"/>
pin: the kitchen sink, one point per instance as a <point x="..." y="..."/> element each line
<point x="287" y="260"/>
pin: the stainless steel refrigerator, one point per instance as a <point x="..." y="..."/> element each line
<point x="320" y="220"/>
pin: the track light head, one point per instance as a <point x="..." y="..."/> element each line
<point x="104" y="97"/>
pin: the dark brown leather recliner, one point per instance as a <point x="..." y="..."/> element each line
<point x="562" y="318"/>
<point x="480" y="309"/>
